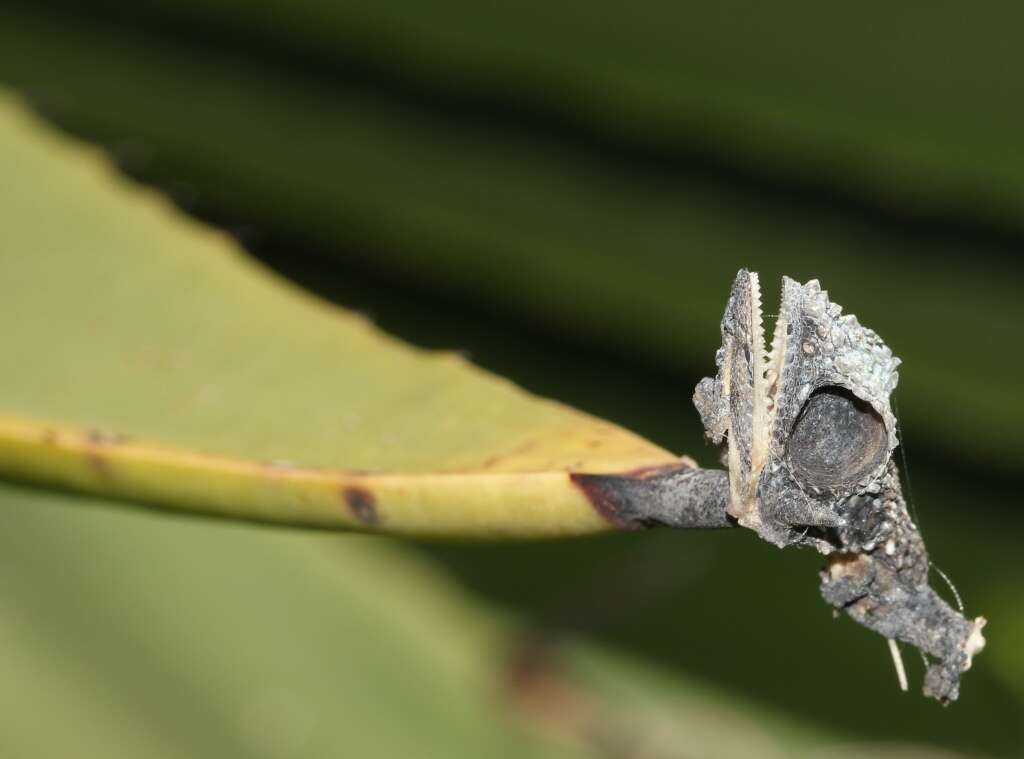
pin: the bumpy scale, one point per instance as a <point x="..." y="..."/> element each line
<point x="808" y="433"/>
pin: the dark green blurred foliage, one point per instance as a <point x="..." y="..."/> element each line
<point x="566" y="191"/>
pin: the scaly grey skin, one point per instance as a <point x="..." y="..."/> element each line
<point x="809" y="435"/>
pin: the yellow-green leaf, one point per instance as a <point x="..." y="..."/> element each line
<point x="145" y="357"/>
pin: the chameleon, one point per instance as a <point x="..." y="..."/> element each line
<point x="808" y="434"/>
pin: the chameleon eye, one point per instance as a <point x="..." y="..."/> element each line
<point x="836" y="440"/>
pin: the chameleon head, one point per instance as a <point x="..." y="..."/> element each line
<point x="806" y="423"/>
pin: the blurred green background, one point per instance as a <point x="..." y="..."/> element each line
<point x="565" y="192"/>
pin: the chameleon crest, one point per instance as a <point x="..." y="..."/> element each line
<point x="808" y="434"/>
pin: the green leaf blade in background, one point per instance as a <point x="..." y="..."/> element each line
<point x="155" y="637"/>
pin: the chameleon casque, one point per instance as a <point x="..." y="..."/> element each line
<point x="808" y="434"/>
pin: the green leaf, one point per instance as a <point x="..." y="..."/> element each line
<point x="144" y="637"/>
<point x="146" y="358"/>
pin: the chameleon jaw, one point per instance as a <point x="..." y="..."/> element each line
<point x="733" y="405"/>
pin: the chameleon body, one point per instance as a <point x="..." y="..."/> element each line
<point x="808" y="433"/>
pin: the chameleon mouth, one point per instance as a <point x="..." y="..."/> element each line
<point x="766" y="367"/>
<point x="775" y="358"/>
<point x="759" y="428"/>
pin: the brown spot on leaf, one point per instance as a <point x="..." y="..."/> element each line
<point x="96" y="441"/>
<point x="100" y="464"/>
<point x="362" y="504"/>
<point x="102" y="437"/>
<point x="522" y="448"/>
<point x="277" y="466"/>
